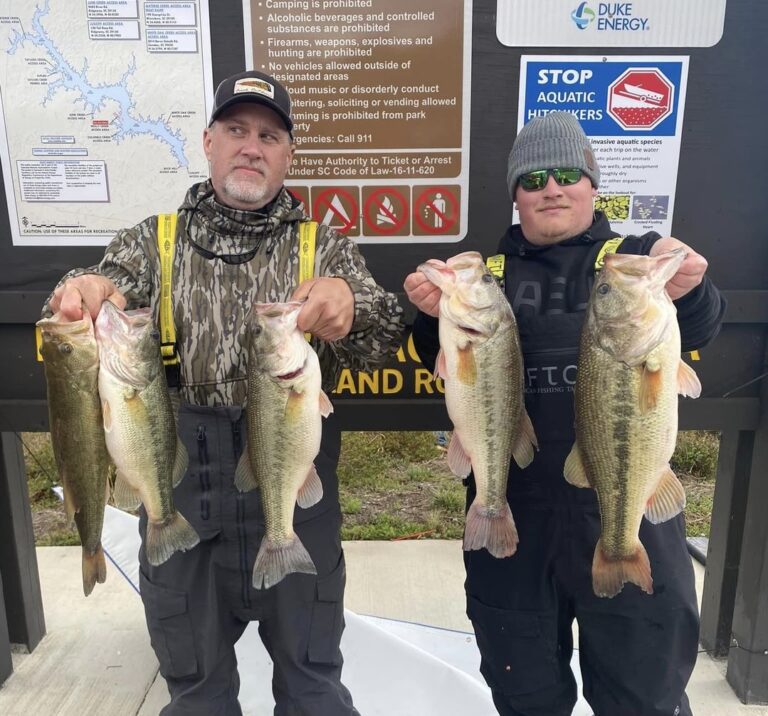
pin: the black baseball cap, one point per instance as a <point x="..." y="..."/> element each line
<point x="252" y="86"/>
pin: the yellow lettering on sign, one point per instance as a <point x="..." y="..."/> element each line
<point x="346" y="383"/>
<point x="392" y="381"/>
<point x="368" y="381"/>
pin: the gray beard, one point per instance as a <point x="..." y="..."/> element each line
<point x="246" y="192"/>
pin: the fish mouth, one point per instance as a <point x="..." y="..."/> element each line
<point x="290" y="376"/>
<point x="470" y="331"/>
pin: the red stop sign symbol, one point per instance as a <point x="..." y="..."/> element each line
<point x="641" y="98"/>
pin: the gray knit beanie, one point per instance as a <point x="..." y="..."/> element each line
<point x="553" y="141"/>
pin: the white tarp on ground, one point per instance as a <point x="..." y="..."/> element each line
<point x="391" y="667"/>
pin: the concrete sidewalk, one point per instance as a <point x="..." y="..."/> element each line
<point x="96" y="658"/>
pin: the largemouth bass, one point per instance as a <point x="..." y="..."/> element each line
<point x="630" y="373"/>
<point x="285" y="405"/>
<point x="71" y="361"/>
<point x="140" y="427"/>
<point x="481" y="363"/>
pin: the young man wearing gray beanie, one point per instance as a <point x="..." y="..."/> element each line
<point x="636" y="651"/>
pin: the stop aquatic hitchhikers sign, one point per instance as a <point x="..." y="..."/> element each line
<point x="640" y="98"/>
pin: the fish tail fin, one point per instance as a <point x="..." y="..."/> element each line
<point x="491" y="528"/>
<point x="610" y="575"/>
<point x="94" y="569"/>
<point x="275" y="561"/>
<point x="172" y="535"/>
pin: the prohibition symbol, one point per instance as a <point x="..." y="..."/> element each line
<point x="337" y="208"/>
<point x="641" y="98"/>
<point x="436" y="210"/>
<point x="385" y="212"/>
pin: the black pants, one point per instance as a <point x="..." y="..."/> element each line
<point x="198" y="603"/>
<point x="636" y="651"/>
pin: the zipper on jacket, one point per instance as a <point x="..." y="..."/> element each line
<point x="204" y="475"/>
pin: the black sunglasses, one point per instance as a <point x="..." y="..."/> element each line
<point x="537" y="180"/>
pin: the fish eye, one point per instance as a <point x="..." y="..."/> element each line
<point x="256" y="330"/>
<point x="65" y="348"/>
<point x="488" y="278"/>
<point x="155" y="335"/>
<point x="603" y="288"/>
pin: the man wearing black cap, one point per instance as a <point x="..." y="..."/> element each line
<point x="636" y="652"/>
<point x="236" y="240"/>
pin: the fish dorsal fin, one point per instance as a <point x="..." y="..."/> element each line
<point x="668" y="500"/>
<point x="326" y="407"/>
<point x="573" y="470"/>
<point x="311" y="491"/>
<point x="245" y="480"/>
<point x="687" y="381"/>
<point x="458" y="460"/>
<point x="526" y="441"/>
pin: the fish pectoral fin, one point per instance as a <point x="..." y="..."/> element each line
<point x="123" y="495"/>
<point x="458" y="460"/>
<point x="687" y="381"/>
<point x="326" y="407"/>
<point x="573" y="470"/>
<point x="441" y="367"/>
<point x="525" y="443"/>
<point x="180" y="463"/>
<point x="467" y="367"/>
<point x="311" y="491"/>
<point x="668" y="500"/>
<point x="650" y="386"/>
<point x="609" y="574"/>
<point x="245" y="480"/>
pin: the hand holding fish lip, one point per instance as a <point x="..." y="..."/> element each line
<point x="691" y="271"/>
<point x="89" y="291"/>
<point x="329" y="310"/>
<point x="422" y="293"/>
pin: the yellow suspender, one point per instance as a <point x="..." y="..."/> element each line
<point x="609" y="247"/>
<point x="166" y="238"/>
<point x="495" y="265"/>
<point x="307" y="236"/>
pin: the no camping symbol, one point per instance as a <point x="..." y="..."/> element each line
<point x="641" y="98"/>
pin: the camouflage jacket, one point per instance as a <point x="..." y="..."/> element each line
<point x="212" y="296"/>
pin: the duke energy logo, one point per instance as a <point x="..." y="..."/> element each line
<point x="610" y="16"/>
<point x="582" y="16"/>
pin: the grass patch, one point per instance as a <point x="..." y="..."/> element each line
<point x="695" y="463"/>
